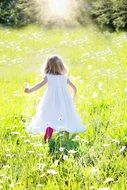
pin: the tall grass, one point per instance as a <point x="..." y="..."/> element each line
<point x="98" y="66"/>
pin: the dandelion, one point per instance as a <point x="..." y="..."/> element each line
<point x="9" y="155"/>
<point x="56" y="162"/>
<point x="85" y="141"/>
<point x="61" y="149"/>
<point x="115" y="141"/>
<point x="39" y="185"/>
<point x="100" y="86"/>
<point x="95" y="95"/>
<point x="108" y="180"/>
<point x="15" y="133"/>
<point x="40" y="154"/>
<point x="124" y="148"/>
<point x="77" y="137"/>
<point x="6" y="166"/>
<point x="125" y="90"/>
<point x="53" y="172"/>
<point x="95" y="170"/>
<point x="27" y="141"/>
<point x="30" y="151"/>
<point x="92" y="187"/>
<point x="72" y="151"/>
<point x="104" y="188"/>
<point x="65" y="157"/>
<point x="89" y="67"/>
<point x="105" y="145"/>
<point x="12" y="185"/>
<point x="41" y="166"/>
<point x="38" y="144"/>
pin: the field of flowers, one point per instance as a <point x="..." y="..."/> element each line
<point x="94" y="160"/>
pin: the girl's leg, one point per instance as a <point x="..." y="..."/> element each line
<point x="48" y="133"/>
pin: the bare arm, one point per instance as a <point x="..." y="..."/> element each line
<point x="72" y="86"/>
<point x="36" y="86"/>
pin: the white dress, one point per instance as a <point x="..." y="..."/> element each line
<point x="56" y="109"/>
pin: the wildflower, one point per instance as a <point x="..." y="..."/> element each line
<point x="105" y="145"/>
<point x="6" y="166"/>
<point x="39" y="185"/>
<point x="77" y="137"/>
<point x="65" y="157"/>
<point x="61" y="149"/>
<point x="125" y="90"/>
<point x="41" y="166"/>
<point x="27" y="141"/>
<point x="51" y="171"/>
<point x="12" y="185"/>
<point x="104" y="188"/>
<point x="95" y="170"/>
<point x="124" y="148"/>
<point x="108" y="180"/>
<point x="30" y="151"/>
<point x="95" y="95"/>
<point x="56" y="162"/>
<point x="15" y="133"/>
<point x="89" y="67"/>
<point x="72" y="151"/>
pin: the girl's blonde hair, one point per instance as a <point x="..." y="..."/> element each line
<point x="55" y="65"/>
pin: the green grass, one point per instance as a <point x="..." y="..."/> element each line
<point x="98" y="66"/>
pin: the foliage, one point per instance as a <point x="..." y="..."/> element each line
<point x="112" y="13"/>
<point x="15" y="13"/>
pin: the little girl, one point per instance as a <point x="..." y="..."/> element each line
<point x="56" y="111"/>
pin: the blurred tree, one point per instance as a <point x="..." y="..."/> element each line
<point x="111" y="13"/>
<point x="15" y="13"/>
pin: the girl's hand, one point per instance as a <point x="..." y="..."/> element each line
<point x="27" y="90"/>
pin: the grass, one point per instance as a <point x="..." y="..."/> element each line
<point x="87" y="161"/>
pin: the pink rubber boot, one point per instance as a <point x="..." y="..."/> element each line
<point x="48" y="133"/>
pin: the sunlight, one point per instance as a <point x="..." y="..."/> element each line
<point x="56" y="11"/>
<point x="60" y="8"/>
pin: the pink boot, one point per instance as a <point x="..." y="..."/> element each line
<point x="48" y="133"/>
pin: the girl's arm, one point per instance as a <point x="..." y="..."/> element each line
<point x="36" y="86"/>
<point x="72" y="86"/>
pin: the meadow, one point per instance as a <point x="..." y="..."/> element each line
<point x="94" y="160"/>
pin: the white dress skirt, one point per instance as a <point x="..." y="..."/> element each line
<point x="56" y="109"/>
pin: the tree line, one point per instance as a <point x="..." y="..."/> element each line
<point x="105" y="13"/>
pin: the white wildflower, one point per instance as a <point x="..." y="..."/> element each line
<point x="105" y="145"/>
<point x="124" y="148"/>
<point x="95" y="95"/>
<point x="95" y="170"/>
<point x="56" y="162"/>
<point x="65" y="157"/>
<point x="15" y="133"/>
<point x="27" y="141"/>
<point x="6" y="166"/>
<point x="53" y="172"/>
<point x="125" y="90"/>
<point x="61" y="149"/>
<point x="72" y="151"/>
<point x="30" y="151"/>
<point x="104" y="188"/>
<point x="89" y="67"/>
<point x="41" y="166"/>
<point x="108" y="180"/>
<point x="39" y="185"/>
